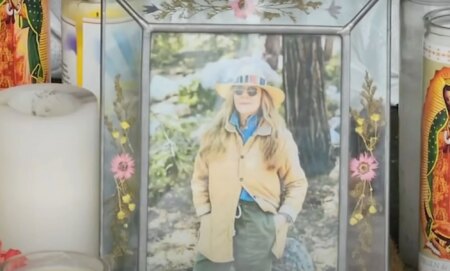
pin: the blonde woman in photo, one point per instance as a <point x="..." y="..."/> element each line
<point x="247" y="185"/>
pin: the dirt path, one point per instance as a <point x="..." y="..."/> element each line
<point x="173" y="226"/>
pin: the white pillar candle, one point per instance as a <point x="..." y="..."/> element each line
<point x="49" y="169"/>
<point x="57" y="268"/>
<point x="55" y="261"/>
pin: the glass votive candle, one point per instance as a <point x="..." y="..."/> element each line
<point x="435" y="128"/>
<point x="54" y="261"/>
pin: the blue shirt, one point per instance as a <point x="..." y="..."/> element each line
<point x="245" y="133"/>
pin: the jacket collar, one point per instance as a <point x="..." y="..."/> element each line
<point x="264" y="129"/>
<point x="252" y="121"/>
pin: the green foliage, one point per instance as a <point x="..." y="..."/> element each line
<point x="200" y="100"/>
<point x="333" y="77"/>
<point x="172" y="152"/>
<point x="173" y="145"/>
<point x="183" y="54"/>
<point x="332" y="108"/>
<point x="164" y="48"/>
<point x="333" y="71"/>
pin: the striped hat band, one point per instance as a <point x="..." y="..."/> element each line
<point x="251" y="79"/>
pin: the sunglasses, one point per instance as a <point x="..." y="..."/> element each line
<point x="239" y="90"/>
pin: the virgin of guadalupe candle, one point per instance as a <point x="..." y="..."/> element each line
<point x="24" y="46"/>
<point x="49" y="169"/>
<point x="435" y="164"/>
<point x="411" y="96"/>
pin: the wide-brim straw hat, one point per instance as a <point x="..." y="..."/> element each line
<point x="252" y="75"/>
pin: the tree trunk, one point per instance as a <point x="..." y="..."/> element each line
<point x="306" y="114"/>
<point x="273" y="49"/>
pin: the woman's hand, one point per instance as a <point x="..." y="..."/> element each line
<point x="280" y="220"/>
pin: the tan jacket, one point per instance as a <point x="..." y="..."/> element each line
<point x="216" y="186"/>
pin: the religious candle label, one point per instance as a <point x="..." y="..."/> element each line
<point x="24" y="46"/>
<point x="435" y="169"/>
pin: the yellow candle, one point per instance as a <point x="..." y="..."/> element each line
<point x="80" y="31"/>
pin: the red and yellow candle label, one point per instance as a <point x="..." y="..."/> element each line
<point x="435" y="163"/>
<point x="24" y="42"/>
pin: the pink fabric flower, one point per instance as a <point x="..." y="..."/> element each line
<point x="364" y="167"/>
<point x="122" y="166"/>
<point x="243" y="8"/>
<point x="7" y="254"/>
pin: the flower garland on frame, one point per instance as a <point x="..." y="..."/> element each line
<point x="364" y="166"/>
<point x="123" y="169"/>
<point x="267" y="9"/>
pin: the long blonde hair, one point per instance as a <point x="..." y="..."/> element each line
<point x="215" y="138"/>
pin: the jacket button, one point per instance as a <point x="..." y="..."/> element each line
<point x="242" y="157"/>
<point x="241" y="179"/>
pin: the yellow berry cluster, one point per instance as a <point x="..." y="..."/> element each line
<point x="121" y="136"/>
<point x="368" y="130"/>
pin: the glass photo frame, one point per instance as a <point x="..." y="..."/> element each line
<point x="215" y="108"/>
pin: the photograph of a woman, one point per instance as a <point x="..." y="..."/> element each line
<point x="244" y="139"/>
<point x="247" y="184"/>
